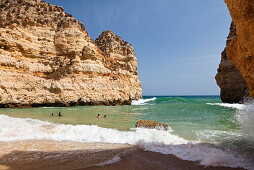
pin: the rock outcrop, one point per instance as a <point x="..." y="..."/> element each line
<point x="150" y="124"/>
<point x="113" y="46"/>
<point x="47" y="58"/>
<point x="233" y="86"/>
<point x="240" y="49"/>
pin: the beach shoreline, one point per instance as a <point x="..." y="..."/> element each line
<point x="146" y="160"/>
<point x="46" y="154"/>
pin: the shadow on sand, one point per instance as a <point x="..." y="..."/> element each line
<point x="132" y="158"/>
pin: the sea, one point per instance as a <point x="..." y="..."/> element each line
<point x="201" y="128"/>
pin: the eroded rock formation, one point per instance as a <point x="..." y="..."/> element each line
<point x="150" y="124"/>
<point x="233" y="86"/>
<point x="240" y="50"/>
<point x="47" y="58"/>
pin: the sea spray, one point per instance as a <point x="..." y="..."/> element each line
<point x="246" y="118"/>
<point x="12" y="129"/>
<point x="244" y="114"/>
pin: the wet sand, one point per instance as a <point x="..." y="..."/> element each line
<point x="53" y="155"/>
<point x="143" y="160"/>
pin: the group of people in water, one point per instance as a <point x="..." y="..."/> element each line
<point x="98" y="116"/>
<point x="59" y="114"/>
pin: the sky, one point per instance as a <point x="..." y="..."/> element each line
<point x="177" y="42"/>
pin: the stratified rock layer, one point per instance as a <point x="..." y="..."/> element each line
<point x="233" y="86"/>
<point x="241" y="49"/>
<point x="150" y="124"/>
<point x="47" y="58"/>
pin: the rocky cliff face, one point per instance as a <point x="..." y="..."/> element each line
<point x="47" y="58"/>
<point x="233" y="86"/>
<point x="240" y="50"/>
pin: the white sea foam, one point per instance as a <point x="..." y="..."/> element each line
<point x="246" y="118"/>
<point x="142" y="101"/>
<point x="12" y="129"/>
<point x="216" y="136"/>
<point x="112" y="161"/>
<point x="244" y="114"/>
<point x="235" y="106"/>
<point x="207" y="154"/>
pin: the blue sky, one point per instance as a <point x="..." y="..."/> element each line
<point x="177" y="42"/>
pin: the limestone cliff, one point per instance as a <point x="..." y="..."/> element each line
<point x="233" y="86"/>
<point x="47" y="58"/>
<point x="240" y="50"/>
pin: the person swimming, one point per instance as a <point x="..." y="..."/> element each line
<point x="52" y="114"/>
<point x="60" y="114"/>
<point x="98" y="116"/>
<point x="105" y="116"/>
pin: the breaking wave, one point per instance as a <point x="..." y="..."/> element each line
<point x="235" y="106"/>
<point x="142" y="101"/>
<point x="12" y="129"/>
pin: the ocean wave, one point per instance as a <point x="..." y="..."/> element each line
<point x="142" y="101"/>
<point x="13" y="129"/>
<point x="216" y="136"/>
<point x="244" y="115"/>
<point x="206" y="154"/>
<point x="235" y="106"/>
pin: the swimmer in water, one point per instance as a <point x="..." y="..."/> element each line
<point x="52" y="114"/>
<point x="105" y="116"/>
<point x="60" y="114"/>
<point x="98" y="116"/>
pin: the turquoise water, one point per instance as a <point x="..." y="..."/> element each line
<point x="187" y="116"/>
<point x="192" y="118"/>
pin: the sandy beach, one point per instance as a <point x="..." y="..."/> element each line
<point x="144" y="160"/>
<point x="45" y="154"/>
<point x="126" y="85"/>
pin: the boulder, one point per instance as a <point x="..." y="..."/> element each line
<point x="151" y="124"/>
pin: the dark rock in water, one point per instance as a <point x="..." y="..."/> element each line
<point x="233" y="86"/>
<point x="151" y="124"/>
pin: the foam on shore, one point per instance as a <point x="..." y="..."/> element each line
<point x="14" y="129"/>
<point x="112" y="161"/>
